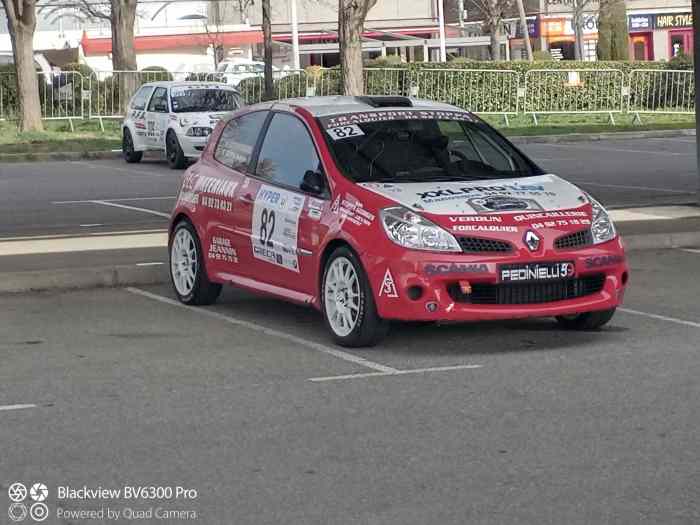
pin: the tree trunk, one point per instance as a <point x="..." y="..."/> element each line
<point x="495" y="44"/>
<point x="267" y="40"/>
<point x="525" y="30"/>
<point x="21" y="20"/>
<point x="578" y="36"/>
<point x="351" y="25"/>
<point x="123" y="54"/>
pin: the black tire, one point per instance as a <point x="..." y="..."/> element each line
<point x="369" y="329"/>
<point x="203" y="291"/>
<point x="130" y="155"/>
<point x="586" y="321"/>
<point x="173" y="152"/>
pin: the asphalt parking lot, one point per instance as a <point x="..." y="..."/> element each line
<point x="248" y="403"/>
<point x="87" y="197"/>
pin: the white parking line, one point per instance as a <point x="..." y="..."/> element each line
<point x="619" y="150"/>
<point x="120" y="199"/>
<point x="269" y="331"/>
<point x="690" y="250"/>
<point x="130" y="171"/>
<point x="625" y="187"/>
<point x="134" y="208"/>
<point x="397" y="373"/>
<point x="82" y="244"/>
<point x="660" y="317"/>
<point x="15" y="407"/>
<point x="155" y="263"/>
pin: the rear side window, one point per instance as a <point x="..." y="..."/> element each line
<point x="159" y="102"/>
<point x="141" y="97"/>
<point x="237" y="142"/>
<point x="287" y="153"/>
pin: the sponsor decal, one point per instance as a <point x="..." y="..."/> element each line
<point x="559" y="223"/>
<point x="484" y="228"/>
<point x="501" y="203"/>
<point x="536" y="272"/>
<point x="432" y="269"/>
<point x="352" y="210"/>
<point x="603" y="260"/>
<point x="476" y="218"/>
<point x="211" y="192"/>
<point x="365" y="117"/>
<point x="275" y="237"/>
<point x="470" y="190"/>
<point x="216" y="203"/>
<point x="388" y="288"/>
<point x="221" y="249"/>
<point x="315" y="209"/>
<point x="549" y="215"/>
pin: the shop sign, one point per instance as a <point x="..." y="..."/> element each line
<point x="674" y="20"/>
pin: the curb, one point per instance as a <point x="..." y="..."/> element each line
<point x="82" y="278"/>
<point x="132" y="275"/>
<point x="58" y="156"/>
<point x="594" y="137"/>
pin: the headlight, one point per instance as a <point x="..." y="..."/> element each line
<point x="410" y="230"/>
<point x="197" y="131"/>
<point x="602" y="226"/>
<point x="184" y="122"/>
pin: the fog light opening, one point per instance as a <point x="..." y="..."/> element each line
<point x="625" y="278"/>
<point x="415" y="292"/>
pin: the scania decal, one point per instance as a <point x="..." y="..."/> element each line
<point x="603" y="260"/>
<point x="443" y="269"/>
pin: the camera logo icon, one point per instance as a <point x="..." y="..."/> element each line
<point x="17" y="512"/>
<point x="39" y="492"/>
<point x="39" y="512"/>
<point x="17" y="492"/>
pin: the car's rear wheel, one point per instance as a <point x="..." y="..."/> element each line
<point x="187" y="271"/>
<point x="586" y="321"/>
<point x="174" y="153"/>
<point x="348" y="305"/>
<point x="130" y="154"/>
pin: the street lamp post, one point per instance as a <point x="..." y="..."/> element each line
<point x="441" y="21"/>
<point x="295" y="35"/>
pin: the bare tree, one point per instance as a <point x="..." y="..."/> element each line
<point x="267" y="44"/>
<point x="579" y="7"/>
<point x="121" y="15"/>
<point x="21" y="20"/>
<point x="242" y="6"/>
<point x="351" y="24"/>
<point x="525" y="30"/>
<point x="493" y="12"/>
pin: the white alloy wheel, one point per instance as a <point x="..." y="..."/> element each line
<point x="183" y="261"/>
<point x="341" y="292"/>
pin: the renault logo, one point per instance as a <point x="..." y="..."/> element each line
<point x="532" y="241"/>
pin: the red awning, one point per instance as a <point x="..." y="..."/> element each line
<point x="103" y="46"/>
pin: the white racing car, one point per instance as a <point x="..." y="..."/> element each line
<point x="175" y="117"/>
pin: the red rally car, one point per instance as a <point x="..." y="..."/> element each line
<point x="373" y="209"/>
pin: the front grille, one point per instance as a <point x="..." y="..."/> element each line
<point x="574" y="240"/>
<point x="479" y="245"/>
<point x="529" y="293"/>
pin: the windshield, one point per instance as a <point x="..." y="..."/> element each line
<point x="192" y="100"/>
<point x="419" y="146"/>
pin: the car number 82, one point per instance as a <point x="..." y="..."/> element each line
<point x="345" y="132"/>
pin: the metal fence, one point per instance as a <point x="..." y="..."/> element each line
<point x="104" y="94"/>
<point x="60" y="96"/>
<point x="560" y="91"/>
<point x="661" y="91"/>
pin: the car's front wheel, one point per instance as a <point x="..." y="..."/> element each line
<point x="348" y="305"/>
<point x="586" y="321"/>
<point x="174" y="153"/>
<point x="187" y="271"/>
<point x="128" y="150"/>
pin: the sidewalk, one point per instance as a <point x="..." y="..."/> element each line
<point x="62" y="262"/>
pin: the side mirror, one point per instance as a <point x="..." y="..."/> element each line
<point x="313" y="182"/>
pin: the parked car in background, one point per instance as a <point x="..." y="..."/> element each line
<point x="175" y="117"/>
<point x="234" y="71"/>
<point x="374" y="209"/>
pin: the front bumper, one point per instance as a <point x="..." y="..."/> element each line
<point x="601" y="275"/>
<point x="192" y="147"/>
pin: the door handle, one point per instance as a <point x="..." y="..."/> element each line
<point x="247" y="198"/>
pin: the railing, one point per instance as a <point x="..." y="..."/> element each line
<point x="104" y="94"/>
<point x="661" y="91"/>
<point x="552" y="91"/>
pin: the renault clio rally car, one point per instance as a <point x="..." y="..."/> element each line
<point x="374" y="209"/>
<point x="175" y="117"/>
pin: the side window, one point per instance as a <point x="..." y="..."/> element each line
<point x="159" y="101"/>
<point x="141" y="97"/>
<point x="287" y="152"/>
<point x="491" y="152"/>
<point x="458" y="140"/>
<point x="235" y="147"/>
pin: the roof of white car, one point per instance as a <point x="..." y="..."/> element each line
<point x="338" y="105"/>
<point x="184" y="83"/>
